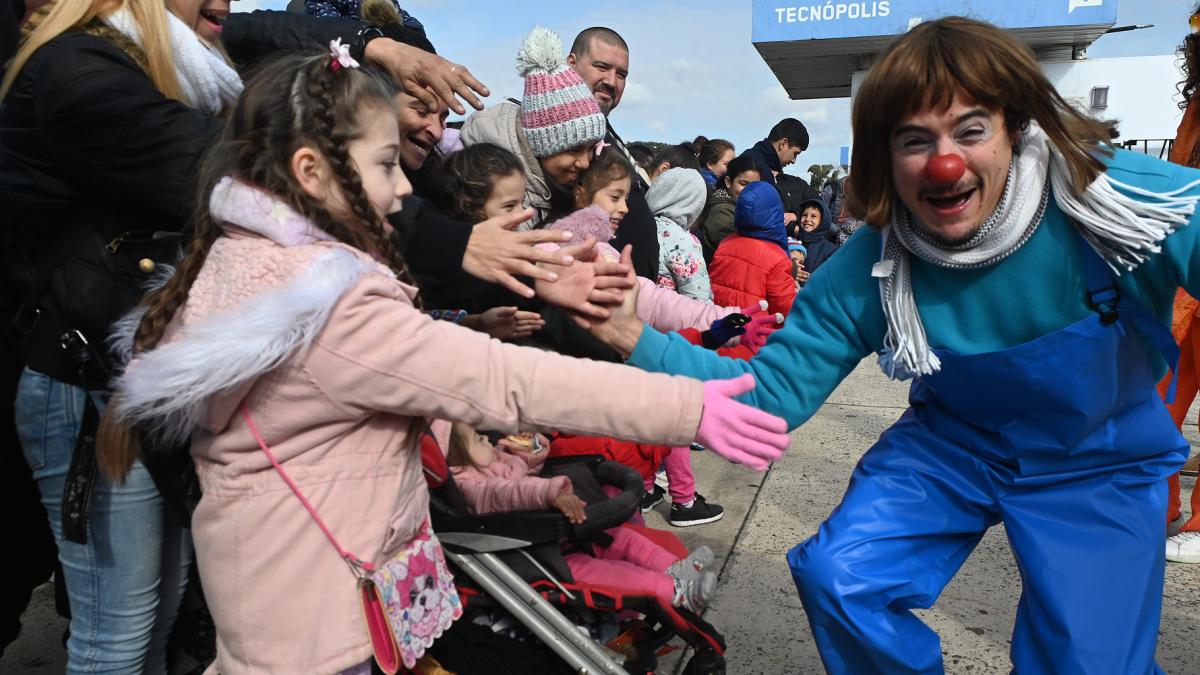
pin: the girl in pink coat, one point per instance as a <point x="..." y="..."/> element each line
<point x="292" y="310"/>
<point x="496" y="479"/>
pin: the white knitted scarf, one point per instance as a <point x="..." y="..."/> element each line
<point x="1122" y="229"/>
<point x="208" y="82"/>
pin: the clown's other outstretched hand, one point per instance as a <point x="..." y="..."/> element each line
<point x="736" y="431"/>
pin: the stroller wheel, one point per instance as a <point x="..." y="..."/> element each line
<point x="706" y="662"/>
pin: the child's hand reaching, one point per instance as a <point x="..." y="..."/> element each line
<point x="572" y="507"/>
<point x="507" y="323"/>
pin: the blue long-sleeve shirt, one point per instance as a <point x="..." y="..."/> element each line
<point x="1039" y="289"/>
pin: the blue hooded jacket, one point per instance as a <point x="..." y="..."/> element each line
<point x="759" y="214"/>
<point x="817" y="241"/>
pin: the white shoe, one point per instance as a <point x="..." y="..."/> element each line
<point x="660" y="479"/>
<point x="1184" y="547"/>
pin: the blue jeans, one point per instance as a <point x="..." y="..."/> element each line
<point x="126" y="582"/>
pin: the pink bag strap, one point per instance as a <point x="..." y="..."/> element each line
<point x="357" y="565"/>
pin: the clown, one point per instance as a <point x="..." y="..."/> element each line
<point x="1020" y="271"/>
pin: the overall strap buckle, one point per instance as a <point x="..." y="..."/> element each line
<point x="1104" y="302"/>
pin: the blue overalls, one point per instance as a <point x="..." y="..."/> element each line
<point x="1063" y="439"/>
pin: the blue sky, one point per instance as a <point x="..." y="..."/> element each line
<point x="692" y="67"/>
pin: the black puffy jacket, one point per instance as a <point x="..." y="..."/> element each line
<point x="90" y="149"/>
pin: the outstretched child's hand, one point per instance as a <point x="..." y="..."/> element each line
<point x="760" y="328"/>
<point x="572" y="507"/>
<point x="507" y="323"/>
<point x="736" y="431"/>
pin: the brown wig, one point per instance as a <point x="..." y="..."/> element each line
<point x="469" y="177"/>
<point x="295" y="101"/>
<point x="609" y="167"/>
<point x="928" y="66"/>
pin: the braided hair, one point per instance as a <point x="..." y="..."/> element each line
<point x="292" y="102"/>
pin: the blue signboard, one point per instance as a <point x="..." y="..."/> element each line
<point x="786" y="20"/>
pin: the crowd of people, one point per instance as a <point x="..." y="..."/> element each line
<point x="249" y="270"/>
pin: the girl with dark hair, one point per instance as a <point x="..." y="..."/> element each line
<point x="288" y="342"/>
<point x="482" y="181"/>
<point x="714" y="157"/>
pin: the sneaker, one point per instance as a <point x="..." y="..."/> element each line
<point x="694" y="594"/>
<point x="1184" y="547"/>
<point x="693" y="565"/>
<point x="699" y="513"/>
<point x="696" y="447"/>
<point x="652" y="498"/>
<point x="660" y="479"/>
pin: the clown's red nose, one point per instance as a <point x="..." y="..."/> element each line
<point x="945" y="169"/>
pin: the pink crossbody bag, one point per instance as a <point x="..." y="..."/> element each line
<point x="408" y="601"/>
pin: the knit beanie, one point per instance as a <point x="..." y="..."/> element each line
<point x="795" y="245"/>
<point x="558" y="112"/>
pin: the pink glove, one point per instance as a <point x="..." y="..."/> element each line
<point x="759" y="329"/>
<point x="736" y="431"/>
<point x="755" y="309"/>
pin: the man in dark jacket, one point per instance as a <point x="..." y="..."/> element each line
<point x="601" y="57"/>
<point x="779" y="149"/>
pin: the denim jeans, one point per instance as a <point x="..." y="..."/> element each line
<point x="126" y="582"/>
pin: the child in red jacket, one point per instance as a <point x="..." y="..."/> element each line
<point x="754" y="263"/>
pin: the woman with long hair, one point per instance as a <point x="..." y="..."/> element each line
<point x="108" y="104"/>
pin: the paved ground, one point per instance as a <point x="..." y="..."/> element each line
<point x="756" y="606"/>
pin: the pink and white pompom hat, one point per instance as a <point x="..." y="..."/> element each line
<point x="558" y="112"/>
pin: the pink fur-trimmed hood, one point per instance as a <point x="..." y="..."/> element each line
<point x="257" y="301"/>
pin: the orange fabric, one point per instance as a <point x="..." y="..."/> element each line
<point x="1185" y="393"/>
<point x="1187" y="135"/>
<point x="1182" y="322"/>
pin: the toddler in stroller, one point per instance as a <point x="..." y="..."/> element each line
<point x="541" y="564"/>
<point x="497" y="479"/>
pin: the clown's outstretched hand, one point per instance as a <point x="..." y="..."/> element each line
<point x="736" y="431"/>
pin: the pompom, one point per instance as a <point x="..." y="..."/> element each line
<point x="381" y="13"/>
<point x="541" y="50"/>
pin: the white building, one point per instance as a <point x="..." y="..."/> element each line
<point x="823" y="50"/>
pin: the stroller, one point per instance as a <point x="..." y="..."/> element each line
<point x="514" y="560"/>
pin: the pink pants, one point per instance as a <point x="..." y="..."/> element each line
<point x="633" y="564"/>
<point x="681" y="482"/>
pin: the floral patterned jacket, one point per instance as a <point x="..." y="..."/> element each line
<point x="681" y="261"/>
